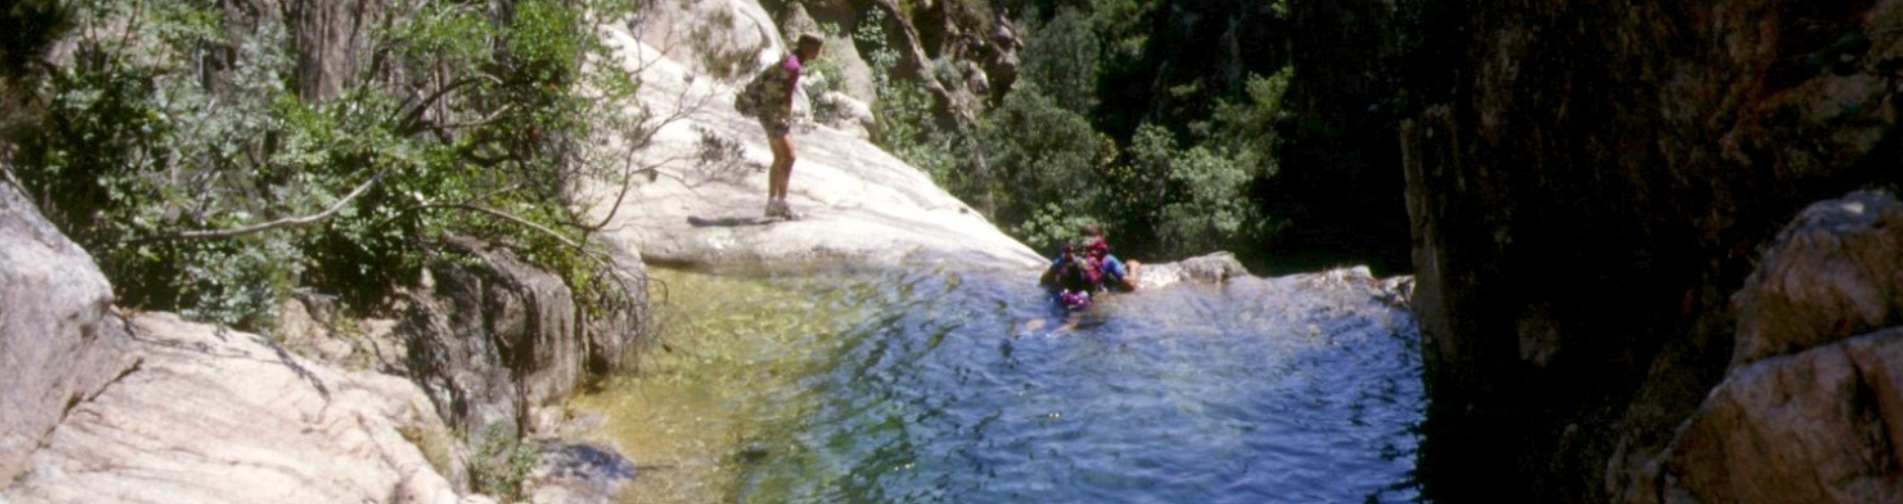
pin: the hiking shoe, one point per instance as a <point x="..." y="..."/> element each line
<point x="779" y="208"/>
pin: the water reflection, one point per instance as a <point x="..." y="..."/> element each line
<point x="842" y="386"/>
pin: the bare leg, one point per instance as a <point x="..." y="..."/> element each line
<point x="781" y="173"/>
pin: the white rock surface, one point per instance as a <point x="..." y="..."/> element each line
<point x="204" y="416"/>
<point x="709" y="37"/>
<point x="55" y="346"/>
<point x="859" y="202"/>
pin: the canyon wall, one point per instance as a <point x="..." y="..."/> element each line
<point x="1589" y="185"/>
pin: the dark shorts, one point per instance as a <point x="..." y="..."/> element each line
<point x="776" y="127"/>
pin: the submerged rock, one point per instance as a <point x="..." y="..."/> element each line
<point x="580" y="473"/>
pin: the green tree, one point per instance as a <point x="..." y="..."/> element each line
<point x="1042" y="154"/>
<point x="1247" y="127"/>
<point x="180" y="155"/>
<point x="1067" y="66"/>
<point x="1205" y="206"/>
<point x="902" y="111"/>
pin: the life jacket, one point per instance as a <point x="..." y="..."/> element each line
<point x="1080" y="274"/>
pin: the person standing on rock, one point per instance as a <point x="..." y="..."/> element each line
<point x="777" y="119"/>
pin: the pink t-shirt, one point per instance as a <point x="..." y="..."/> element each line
<point x="791" y="65"/>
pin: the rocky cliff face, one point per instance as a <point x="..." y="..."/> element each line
<point x="1811" y="406"/>
<point x="1588" y="186"/>
<point x="495" y="338"/>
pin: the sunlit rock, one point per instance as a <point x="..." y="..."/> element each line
<point x="494" y="337"/>
<point x="206" y="415"/>
<point x="57" y="346"/>
<point x="1211" y="268"/>
<point x="704" y="201"/>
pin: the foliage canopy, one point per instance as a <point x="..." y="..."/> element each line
<point x="1066" y="146"/>
<point x="179" y="148"/>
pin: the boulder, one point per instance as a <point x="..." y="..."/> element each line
<point x="580" y="473"/>
<point x="1807" y="412"/>
<point x="1821" y="425"/>
<point x="493" y="336"/>
<point x="313" y="325"/>
<point x="205" y="415"/>
<point x="726" y="39"/>
<point x="1211" y="268"/>
<point x="1835" y="272"/>
<point x="57" y="347"/>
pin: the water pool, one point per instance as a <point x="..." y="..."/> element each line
<point x="836" y="386"/>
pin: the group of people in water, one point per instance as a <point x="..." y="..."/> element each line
<point x="1075" y="275"/>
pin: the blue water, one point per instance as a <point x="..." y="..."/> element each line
<point x="943" y="387"/>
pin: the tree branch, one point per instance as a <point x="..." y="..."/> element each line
<point x="211" y="234"/>
<point x="415" y="115"/>
<point x="479" y="122"/>
<point x="7" y="170"/>
<point x="511" y="218"/>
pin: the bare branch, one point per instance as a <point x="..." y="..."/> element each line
<point x="493" y="116"/>
<point x="415" y="115"/>
<point x="6" y="169"/>
<point x="211" y="234"/>
<point x="511" y="218"/>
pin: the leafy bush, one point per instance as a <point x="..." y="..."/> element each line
<point x="1208" y="207"/>
<point x="719" y="157"/>
<point x="182" y="157"/>
<point x="720" y="60"/>
<point x="1246" y="128"/>
<point x="1041" y="154"/>
<point x="1051" y="225"/>
<point x="902" y="110"/>
<point x="501" y="464"/>
<point x="1167" y="189"/>
<point x="1066" y="66"/>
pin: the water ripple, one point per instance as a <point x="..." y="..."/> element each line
<point x="936" y="387"/>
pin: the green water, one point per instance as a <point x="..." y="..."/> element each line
<point x="722" y="386"/>
<point x="828" y="385"/>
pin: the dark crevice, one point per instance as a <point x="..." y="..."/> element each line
<point x="291" y="362"/>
